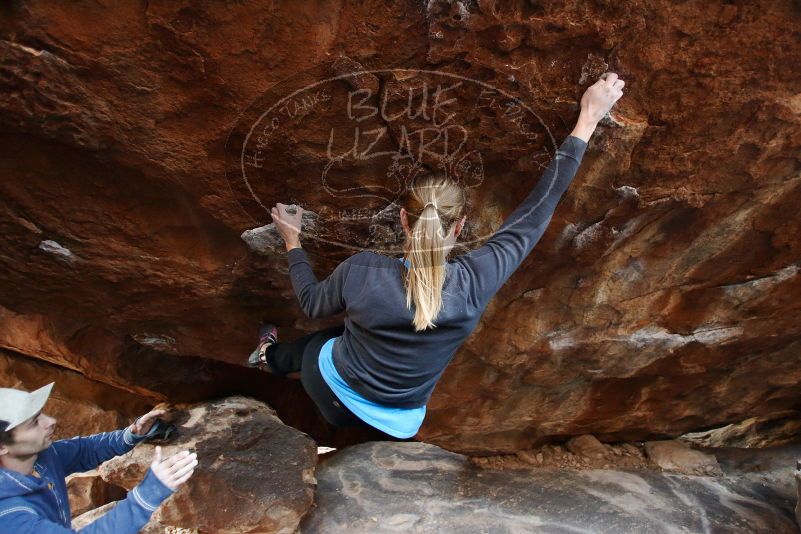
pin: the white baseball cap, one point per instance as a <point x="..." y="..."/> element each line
<point x="17" y="406"/>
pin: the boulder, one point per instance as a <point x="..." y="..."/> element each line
<point x="772" y="467"/>
<point x="586" y="445"/>
<point x="255" y="474"/>
<point x="87" y="491"/>
<point x="676" y="456"/>
<point x="417" y="487"/>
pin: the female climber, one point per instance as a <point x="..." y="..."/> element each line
<point x="406" y="317"/>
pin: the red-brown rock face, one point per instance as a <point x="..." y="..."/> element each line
<point x="138" y="145"/>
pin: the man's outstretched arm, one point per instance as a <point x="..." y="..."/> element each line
<point x="85" y="453"/>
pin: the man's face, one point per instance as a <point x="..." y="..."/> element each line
<point x="31" y="437"/>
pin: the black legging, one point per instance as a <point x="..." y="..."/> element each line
<point x="303" y="354"/>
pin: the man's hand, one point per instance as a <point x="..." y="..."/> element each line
<point x="142" y="425"/>
<point x="288" y="221"/>
<point x="175" y="470"/>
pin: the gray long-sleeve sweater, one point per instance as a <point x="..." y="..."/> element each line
<point x="380" y="355"/>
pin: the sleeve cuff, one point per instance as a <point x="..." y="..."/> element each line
<point x="151" y="492"/>
<point x="297" y="255"/>
<point x="132" y="439"/>
<point x="573" y="147"/>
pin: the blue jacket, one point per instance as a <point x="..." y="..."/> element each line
<point x="31" y="505"/>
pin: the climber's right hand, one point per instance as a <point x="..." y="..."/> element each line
<point x="288" y="220"/>
<point x="175" y="470"/>
<point x="599" y="98"/>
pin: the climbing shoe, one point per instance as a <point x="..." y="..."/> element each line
<point x="268" y="335"/>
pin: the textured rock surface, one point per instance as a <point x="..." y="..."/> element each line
<point x="753" y="432"/>
<point x="677" y="457"/>
<point x="664" y="297"/>
<point x="415" y="487"/>
<point x="151" y="528"/>
<point x="619" y="456"/>
<point x="797" y="477"/>
<point x="586" y="445"/>
<point x="771" y="467"/>
<point x="88" y="491"/>
<point x="255" y="474"/>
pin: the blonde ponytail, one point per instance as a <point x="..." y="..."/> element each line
<point x="434" y="202"/>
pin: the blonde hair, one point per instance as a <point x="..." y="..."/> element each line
<point x="433" y="202"/>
